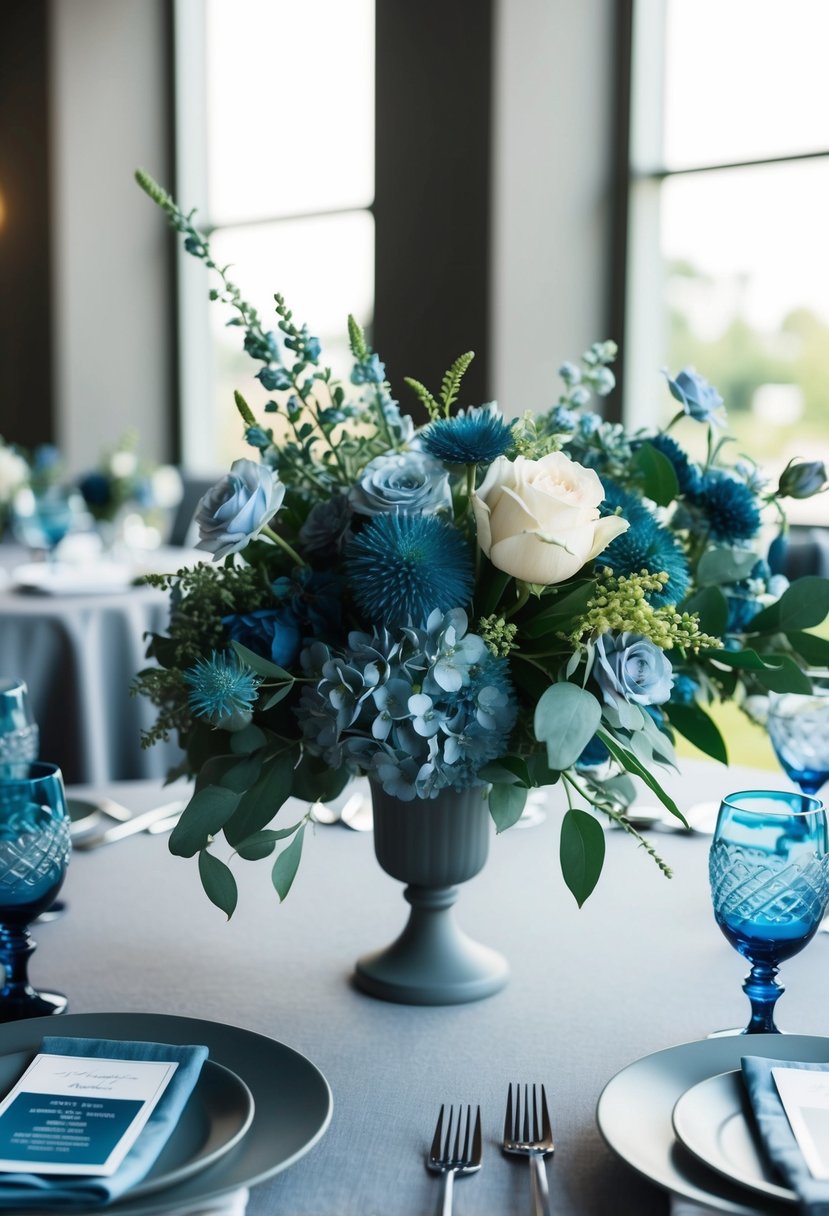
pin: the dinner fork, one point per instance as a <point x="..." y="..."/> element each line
<point x="450" y="1159"/>
<point x="534" y="1142"/>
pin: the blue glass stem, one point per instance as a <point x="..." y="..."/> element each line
<point x="16" y="948"/>
<point x="763" y="991"/>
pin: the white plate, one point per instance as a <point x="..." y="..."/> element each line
<point x="100" y="578"/>
<point x="635" y="1109"/>
<point x="292" y="1099"/>
<point x="713" y="1120"/>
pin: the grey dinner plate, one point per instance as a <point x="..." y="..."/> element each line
<point x="291" y="1098"/>
<point x="713" y="1120"/>
<point x="635" y="1109"/>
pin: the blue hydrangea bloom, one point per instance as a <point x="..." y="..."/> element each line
<point x="222" y="690"/>
<point x="402" y="567"/>
<point x="369" y="371"/>
<point x="729" y="507"/>
<point x="475" y="436"/>
<point x="563" y="419"/>
<point x="313" y="599"/>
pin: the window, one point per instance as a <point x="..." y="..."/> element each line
<point x="275" y="142"/>
<point x="728" y="255"/>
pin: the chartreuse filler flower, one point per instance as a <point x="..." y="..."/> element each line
<point x="472" y="602"/>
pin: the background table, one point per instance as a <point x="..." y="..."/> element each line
<point x="79" y="654"/>
<point x="641" y="967"/>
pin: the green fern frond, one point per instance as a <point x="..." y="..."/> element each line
<point x="357" y="339"/>
<point x="426" y="398"/>
<point x="451" y="383"/>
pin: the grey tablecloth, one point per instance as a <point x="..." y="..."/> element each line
<point x="78" y="654"/>
<point x="641" y="967"/>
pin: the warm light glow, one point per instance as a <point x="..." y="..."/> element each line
<point x="2" y="211"/>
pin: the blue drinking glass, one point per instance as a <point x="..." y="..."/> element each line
<point x="769" y="872"/>
<point x="798" y="726"/>
<point x="34" y="854"/>
<point x="19" y="739"/>
<point x="41" y="520"/>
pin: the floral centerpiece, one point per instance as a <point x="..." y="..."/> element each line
<point x="122" y="481"/>
<point x="469" y="602"/>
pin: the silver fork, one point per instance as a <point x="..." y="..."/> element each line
<point x="524" y="1137"/>
<point x="450" y="1159"/>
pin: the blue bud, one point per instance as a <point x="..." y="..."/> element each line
<point x="802" y="480"/>
<point x="257" y="437"/>
<point x="273" y="378"/>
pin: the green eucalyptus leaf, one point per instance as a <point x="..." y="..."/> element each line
<point x="263" y="667"/>
<point x="539" y="771"/>
<point x="630" y="763"/>
<point x="262" y="844"/>
<point x="699" y="728"/>
<point x="276" y="697"/>
<point x="261" y="802"/>
<point x="204" y="816"/>
<point x="803" y="604"/>
<point x="722" y="564"/>
<point x="777" y="672"/>
<point x="506" y="805"/>
<point x="508" y="770"/>
<point x="242" y="774"/>
<point x="561" y="612"/>
<point x="250" y="739"/>
<point x="581" y="852"/>
<point x="566" y="719"/>
<point x="313" y="781"/>
<point x="218" y="882"/>
<point x="287" y="864"/>
<point x="656" y="474"/>
<point x="811" y="647"/>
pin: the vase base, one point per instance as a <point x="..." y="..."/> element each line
<point x="469" y="972"/>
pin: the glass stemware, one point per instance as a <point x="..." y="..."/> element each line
<point x="798" y="726"/>
<point x="19" y="739"/>
<point x="41" y="520"/>
<point x="769" y="884"/>
<point x="34" y="854"/>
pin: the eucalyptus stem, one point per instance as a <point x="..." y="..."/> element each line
<point x="283" y="544"/>
<point x="523" y="596"/>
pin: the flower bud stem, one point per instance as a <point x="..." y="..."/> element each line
<point x="283" y="544"/>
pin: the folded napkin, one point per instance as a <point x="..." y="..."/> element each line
<point x="233" y="1204"/>
<point x="20" y="1191"/>
<point x="776" y="1133"/>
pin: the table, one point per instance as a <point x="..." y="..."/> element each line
<point x="78" y="655"/>
<point x="641" y="967"/>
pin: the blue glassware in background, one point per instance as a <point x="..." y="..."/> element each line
<point x="41" y="520"/>
<point x="34" y="854"/>
<point x="769" y="874"/>
<point x="798" y="726"/>
<point x="19" y="738"/>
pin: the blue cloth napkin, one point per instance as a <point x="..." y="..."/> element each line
<point x="21" y="1191"/>
<point x="776" y="1133"/>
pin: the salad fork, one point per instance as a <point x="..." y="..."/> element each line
<point x="450" y="1159"/>
<point x="530" y="1140"/>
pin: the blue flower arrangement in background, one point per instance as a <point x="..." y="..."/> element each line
<point x="470" y="602"/>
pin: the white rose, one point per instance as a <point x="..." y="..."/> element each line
<point x="14" y="472"/>
<point x="538" y="520"/>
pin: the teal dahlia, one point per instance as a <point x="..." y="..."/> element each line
<point x="475" y="436"/>
<point x="400" y="568"/>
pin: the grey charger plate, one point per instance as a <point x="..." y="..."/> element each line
<point x="217" y="1114"/>
<point x="635" y="1109"/>
<point x="292" y="1099"/>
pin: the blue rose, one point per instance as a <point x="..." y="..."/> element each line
<point x="407" y="482"/>
<point x="802" y="479"/>
<point x="269" y="632"/>
<point x="698" y="398"/>
<point x="237" y="507"/>
<point x="632" y="668"/>
<point x="327" y="527"/>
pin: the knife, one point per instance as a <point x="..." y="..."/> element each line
<point x="138" y="823"/>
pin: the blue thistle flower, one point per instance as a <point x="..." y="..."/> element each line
<point x="687" y="474"/>
<point x="402" y="567"/>
<point x="729" y="507"/>
<point x="648" y="546"/>
<point x="475" y="436"/>
<point x="618" y="501"/>
<point x="222" y="690"/>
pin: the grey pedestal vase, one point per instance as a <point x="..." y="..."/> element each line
<point x="432" y="845"/>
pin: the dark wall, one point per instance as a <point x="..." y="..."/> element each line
<point x="434" y="93"/>
<point x="26" y="405"/>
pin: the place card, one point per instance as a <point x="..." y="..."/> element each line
<point x="804" y="1093"/>
<point x="78" y="1114"/>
